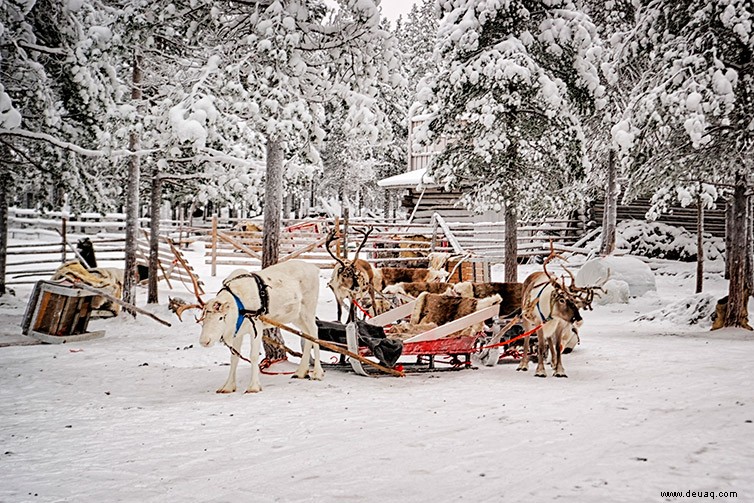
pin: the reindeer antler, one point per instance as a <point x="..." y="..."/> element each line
<point x="366" y="234"/>
<point x="178" y="306"/>
<point x="330" y="238"/>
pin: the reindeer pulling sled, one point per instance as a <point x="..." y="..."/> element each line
<point x="435" y="325"/>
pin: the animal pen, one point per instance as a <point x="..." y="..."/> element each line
<point x="473" y="247"/>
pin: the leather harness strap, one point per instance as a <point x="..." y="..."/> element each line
<point x="264" y="299"/>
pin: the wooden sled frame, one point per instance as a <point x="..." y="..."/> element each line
<point x="429" y="343"/>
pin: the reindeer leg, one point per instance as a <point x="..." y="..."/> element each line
<point x="524" y="363"/>
<point x="230" y="382"/>
<point x="557" y="360"/>
<point x="339" y="302"/>
<point x="310" y="327"/>
<point x="551" y="345"/>
<point x="540" y="353"/>
<point x="255" y="386"/>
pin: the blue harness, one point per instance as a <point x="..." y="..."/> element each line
<point x="243" y="313"/>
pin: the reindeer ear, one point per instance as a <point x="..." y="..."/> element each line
<point x="217" y="307"/>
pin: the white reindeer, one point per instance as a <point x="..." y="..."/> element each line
<point x="286" y="292"/>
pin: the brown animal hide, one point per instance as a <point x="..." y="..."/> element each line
<point x="414" y="289"/>
<point x="440" y="309"/>
<point x="412" y="248"/>
<point x="392" y="275"/>
<point x="509" y="292"/>
<point x="247" y="226"/>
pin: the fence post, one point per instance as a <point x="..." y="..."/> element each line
<point x="214" y="245"/>
<point x="64" y="237"/>
<point x="433" y="243"/>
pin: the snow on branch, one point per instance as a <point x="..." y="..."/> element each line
<point x="71" y="146"/>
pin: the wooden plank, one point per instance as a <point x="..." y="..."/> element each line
<point x="392" y="315"/>
<point x="456" y="325"/>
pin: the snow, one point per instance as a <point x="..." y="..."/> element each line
<point x="648" y="407"/>
<point x="635" y="273"/>
<point x="415" y="178"/>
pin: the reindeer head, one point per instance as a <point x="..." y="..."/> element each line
<point x="218" y="320"/>
<point x="349" y="274"/>
<point x="581" y="297"/>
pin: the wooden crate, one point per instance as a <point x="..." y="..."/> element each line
<point x="57" y="313"/>
<point x="469" y="270"/>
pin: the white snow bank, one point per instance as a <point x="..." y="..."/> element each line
<point x="694" y="310"/>
<point x="635" y="273"/>
<point x="616" y="291"/>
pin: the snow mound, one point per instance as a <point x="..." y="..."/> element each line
<point x="630" y="270"/>
<point x="658" y="240"/>
<point x="694" y="310"/>
<point x="616" y="291"/>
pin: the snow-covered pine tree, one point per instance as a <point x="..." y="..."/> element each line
<point x="282" y="61"/>
<point x="57" y="89"/>
<point x="515" y="77"/>
<point x="690" y="117"/>
<point x="611" y="18"/>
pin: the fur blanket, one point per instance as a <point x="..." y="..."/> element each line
<point x="107" y="279"/>
<point x="433" y="310"/>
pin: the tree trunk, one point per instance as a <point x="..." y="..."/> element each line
<point x="273" y="206"/>
<point x="699" y="242"/>
<point x="610" y="215"/>
<point x="511" y="244"/>
<point x="132" y="199"/>
<point x="5" y="183"/>
<point x="154" y="234"/>
<point x="273" y="203"/>
<point x="736" y="312"/>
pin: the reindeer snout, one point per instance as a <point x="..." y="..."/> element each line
<point x="577" y="320"/>
<point x="205" y="342"/>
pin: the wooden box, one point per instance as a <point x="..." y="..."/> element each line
<point x="58" y="313"/>
<point x="468" y="270"/>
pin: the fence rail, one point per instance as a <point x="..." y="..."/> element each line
<point x="390" y="242"/>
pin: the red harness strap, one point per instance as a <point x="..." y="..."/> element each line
<point x="525" y="334"/>
<point x="361" y="309"/>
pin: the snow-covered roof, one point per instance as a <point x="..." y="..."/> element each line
<point x="408" y="180"/>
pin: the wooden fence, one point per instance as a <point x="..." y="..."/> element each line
<point x="226" y="243"/>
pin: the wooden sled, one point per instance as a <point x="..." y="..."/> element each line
<point x="455" y="339"/>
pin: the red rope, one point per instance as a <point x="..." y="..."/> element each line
<point x="267" y="363"/>
<point x="361" y="309"/>
<point x="525" y="334"/>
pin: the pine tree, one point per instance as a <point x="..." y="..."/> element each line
<point x="689" y="118"/>
<point x="515" y="78"/>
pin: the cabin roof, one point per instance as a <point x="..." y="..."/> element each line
<point x="408" y="180"/>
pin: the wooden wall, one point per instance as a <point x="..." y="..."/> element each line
<point x="714" y="220"/>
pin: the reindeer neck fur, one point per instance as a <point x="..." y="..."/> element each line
<point x="538" y="296"/>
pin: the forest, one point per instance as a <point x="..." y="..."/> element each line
<point x="124" y="105"/>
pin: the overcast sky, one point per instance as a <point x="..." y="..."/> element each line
<point x="391" y="9"/>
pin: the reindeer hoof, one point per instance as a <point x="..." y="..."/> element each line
<point x="560" y="375"/>
<point x="296" y="376"/>
<point x="254" y="389"/>
<point x="540" y="374"/>
<point x="226" y="391"/>
<point x="522" y="369"/>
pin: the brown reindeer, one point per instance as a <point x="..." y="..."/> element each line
<point x="351" y="279"/>
<point x="549" y="303"/>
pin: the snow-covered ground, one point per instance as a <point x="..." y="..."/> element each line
<point x="648" y="407"/>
